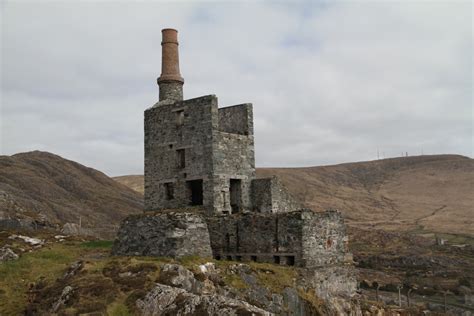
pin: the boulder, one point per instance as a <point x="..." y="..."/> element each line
<point x="71" y="229"/>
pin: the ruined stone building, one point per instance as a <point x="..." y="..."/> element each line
<point x="201" y="158"/>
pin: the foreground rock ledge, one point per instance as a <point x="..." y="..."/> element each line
<point x="163" y="234"/>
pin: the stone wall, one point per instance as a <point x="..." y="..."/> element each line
<point x="178" y="147"/>
<point x="233" y="158"/>
<point x="332" y="281"/>
<point x="171" y="90"/>
<point x="255" y="237"/>
<point x="167" y="234"/>
<point x="301" y="238"/>
<point x="236" y="119"/>
<point x="325" y="241"/>
<point x="270" y="196"/>
<point x="184" y="142"/>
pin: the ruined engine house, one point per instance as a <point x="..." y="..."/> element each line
<point x="199" y="155"/>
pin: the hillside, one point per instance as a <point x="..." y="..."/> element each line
<point x="421" y="193"/>
<point x="43" y="189"/>
<point x="134" y="182"/>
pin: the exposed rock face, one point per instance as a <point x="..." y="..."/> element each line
<point x="7" y="254"/>
<point x="180" y="293"/>
<point x="169" y="234"/>
<point x="167" y="300"/>
<point x="177" y="276"/>
<point x="65" y="295"/>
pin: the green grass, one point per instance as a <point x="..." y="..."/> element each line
<point x="15" y="276"/>
<point x="94" y="244"/>
<point x="118" y="309"/>
<point x="458" y="239"/>
<point x="274" y="277"/>
<point x="50" y="263"/>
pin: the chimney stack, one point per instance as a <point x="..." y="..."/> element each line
<point x="170" y="81"/>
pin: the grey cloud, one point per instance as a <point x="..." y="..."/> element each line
<point x="329" y="82"/>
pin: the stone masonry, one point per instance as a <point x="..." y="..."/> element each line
<point x="194" y="156"/>
<point x="165" y="234"/>
<point x="202" y="196"/>
<point x="301" y="238"/>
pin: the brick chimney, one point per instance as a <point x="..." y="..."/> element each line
<point x="170" y="81"/>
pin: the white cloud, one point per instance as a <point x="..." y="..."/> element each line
<point x="330" y="82"/>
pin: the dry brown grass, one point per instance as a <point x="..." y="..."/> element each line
<point x="423" y="193"/>
<point x="48" y="188"/>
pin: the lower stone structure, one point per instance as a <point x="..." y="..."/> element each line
<point x="302" y="238"/>
<point x="269" y="195"/>
<point x="164" y="234"/>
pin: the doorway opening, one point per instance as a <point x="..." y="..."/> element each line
<point x="195" y="192"/>
<point x="276" y="259"/>
<point x="235" y="195"/>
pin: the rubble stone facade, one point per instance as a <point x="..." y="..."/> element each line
<point x="195" y="156"/>
<point x="164" y="234"/>
<point x="301" y="238"/>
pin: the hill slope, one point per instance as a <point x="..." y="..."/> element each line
<point x="421" y="193"/>
<point x="42" y="188"/>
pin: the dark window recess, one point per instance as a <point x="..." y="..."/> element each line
<point x="169" y="191"/>
<point x="238" y="258"/>
<point x="237" y="238"/>
<point x="290" y="260"/>
<point x="217" y="257"/>
<point x="235" y="195"/>
<point x="195" y="192"/>
<point x="253" y="258"/>
<point x="180" y="118"/>
<point x="227" y="243"/>
<point x="229" y="258"/>
<point x="276" y="259"/>
<point x="181" y="158"/>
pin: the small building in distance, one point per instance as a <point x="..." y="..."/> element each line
<point x="200" y="158"/>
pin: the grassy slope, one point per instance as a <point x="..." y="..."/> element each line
<point x="134" y="182"/>
<point x="101" y="284"/>
<point x="42" y="186"/>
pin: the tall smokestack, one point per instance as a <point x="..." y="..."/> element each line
<point x="170" y="81"/>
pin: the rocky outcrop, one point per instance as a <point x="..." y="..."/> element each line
<point x="179" y="292"/>
<point x="7" y="254"/>
<point x="164" y="234"/>
<point x="65" y="295"/>
<point x="168" y="300"/>
<point x="177" y="276"/>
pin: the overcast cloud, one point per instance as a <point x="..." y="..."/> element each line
<point x="330" y="81"/>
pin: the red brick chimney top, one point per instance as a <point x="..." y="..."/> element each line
<point x="170" y="57"/>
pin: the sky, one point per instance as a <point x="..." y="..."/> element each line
<point x="330" y="81"/>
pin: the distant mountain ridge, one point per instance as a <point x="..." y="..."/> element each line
<point x="421" y="193"/>
<point x="427" y="194"/>
<point x="40" y="188"/>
